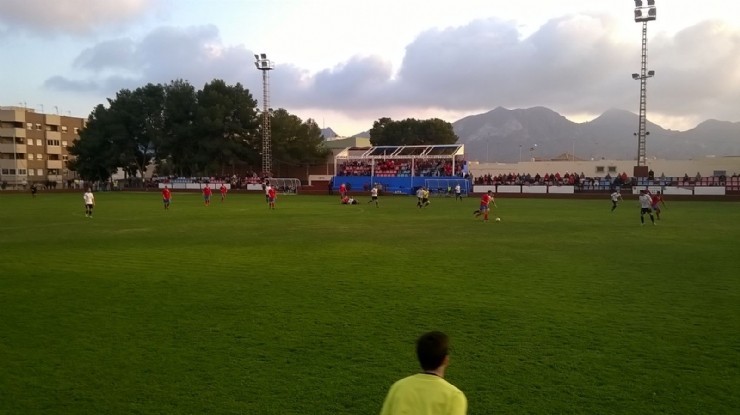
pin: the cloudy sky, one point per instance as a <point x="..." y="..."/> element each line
<point x="346" y="63"/>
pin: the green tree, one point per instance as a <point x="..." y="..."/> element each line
<point x="135" y="125"/>
<point x="179" y="147"/>
<point x="296" y="142"/>
<point x="95" y="157"/>
<point x="190" y="132"/>
<point x="386" y="132"/>
<point x="226" y="124"/>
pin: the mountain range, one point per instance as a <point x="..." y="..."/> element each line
<point x="504" y="135"/>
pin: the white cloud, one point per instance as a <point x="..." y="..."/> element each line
<point x="572" y="64"/>
<point x="70" y="16"/>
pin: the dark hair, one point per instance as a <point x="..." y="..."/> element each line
<point x="431" y="349"/>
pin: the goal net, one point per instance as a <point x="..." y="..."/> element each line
<point x="446" y="187"/>
<point x="285" y="186"/>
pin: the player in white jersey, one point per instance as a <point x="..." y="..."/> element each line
<point x="374" y="195"/>
<point x="616" y="196"/>
<point x="645" y="206"/>
<point x="89" y="199"/>
<point x="458" y="192"/>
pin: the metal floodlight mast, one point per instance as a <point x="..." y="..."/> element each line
<point x="265" y="65"/>
<point x="643" y="14"/>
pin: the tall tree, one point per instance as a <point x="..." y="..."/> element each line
<point x="137" y="126"/>
<point x="386" y="132"/>
<point x="295" y="142"/>
<point x="95" y="157"/>
<point x="179" y="144"/>
<point x="227" y="126"/>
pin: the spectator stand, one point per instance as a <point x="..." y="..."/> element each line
<point x="399" y="169"/>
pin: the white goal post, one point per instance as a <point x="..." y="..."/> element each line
<point x="285" y="186"/>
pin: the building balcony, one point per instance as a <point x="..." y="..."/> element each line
<point x="53" y="164"/>
<point x="13" y="115"/>
<point x="13" y="164"/>
<point x="52" y="119"/>
<point x="10" y="148"/>
<point x="53" y="135"/>
<point x="53" y="149"/>
<point x="13" y="132"/>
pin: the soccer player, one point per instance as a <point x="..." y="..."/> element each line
<point x="427" y="392"/>
<point x="266" y="187"/>
<point x="657" y="200"/>
<point x="89" y="199"/>
<point x="458" y="192"/>
<point x="223" y="192"/>
<point x="616" y="196"/>
<point x="374" y="195"/>
<point x="425" y="197"/>
<point x="166" y="197"/>
<point x="485" y="202"/>
<point x="419" y="196"/>
<point x="34" y="189"/>
<point x="271" y="196"/>
<point x="342" y="190"/>
<point x="207" y="195"/>
<point x="645" y="202"/>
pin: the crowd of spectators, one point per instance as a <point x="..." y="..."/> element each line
<point x="580" y="181"/>
<point x="553" y="179"/>
<point x="401" y="168"/>
<point x="236" y="182"/>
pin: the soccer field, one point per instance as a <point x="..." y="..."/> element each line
<point x="562" y="307"/>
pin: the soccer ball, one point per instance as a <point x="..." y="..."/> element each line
<point x="498" y="219"/>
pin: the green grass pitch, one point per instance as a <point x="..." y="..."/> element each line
<point x="560" y="308"/>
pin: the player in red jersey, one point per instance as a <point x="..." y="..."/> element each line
<point x="342" y="190"/>
<point x="271" y="196"/>
<point x="485" y="202"/>
<point x="223" y="192"/>
<point x="657" y="201"/>
<point x="207" y="195"/>
<point x="166" y="197"/>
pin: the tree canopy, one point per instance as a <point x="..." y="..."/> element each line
<point x="188" y="132"/>
<point x="295" y="142"/>
<point x="408" y="132"/>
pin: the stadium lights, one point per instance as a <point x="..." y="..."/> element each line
<point x="643" y="14"/>
<point x="265" y="65"/>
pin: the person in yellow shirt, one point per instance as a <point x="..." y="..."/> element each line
<point x="427" y="393"/>
<point x="425" y="197"/>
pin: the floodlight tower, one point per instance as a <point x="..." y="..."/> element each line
<point x="265" y="65"/>
<point x="643" y="14"/>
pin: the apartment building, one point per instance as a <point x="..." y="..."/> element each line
<point x="34" y="147"/>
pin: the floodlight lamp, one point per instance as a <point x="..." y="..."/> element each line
<point x="638" y="15"/>
<point x="651" y="73"/>
<point x="638" y="3"/>
<point x="651" y="2"/>
<point x="263" y="55"/>
<point x="257" y="65"/>
<point x="635" y="76"/>
<point x="653" y="13"/>
<point x="256" y="56"/>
